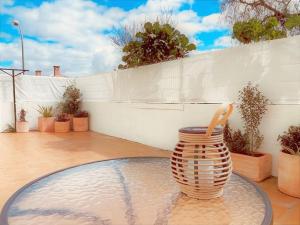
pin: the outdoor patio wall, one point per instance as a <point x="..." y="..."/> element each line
<point x="149" y="104"/>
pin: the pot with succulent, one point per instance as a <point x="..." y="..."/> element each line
<point x="46" y="120"/>
<point x="244" y="147"/>
<point x="22" y="125"/>
<point x="71" y="102"/>
<point x="81" y="121"/>
<point x="289" y="162"/>
<point x="62" y="123"/>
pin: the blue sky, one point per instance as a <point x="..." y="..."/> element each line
<point x="75" y="33"/>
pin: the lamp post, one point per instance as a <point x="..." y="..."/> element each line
<point x="16" y="23"/>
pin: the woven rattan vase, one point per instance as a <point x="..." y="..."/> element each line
<point x="201" y="162"/>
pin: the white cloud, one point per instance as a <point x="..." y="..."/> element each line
<point x="75" y="33"/>
<point x="225" y="42"/>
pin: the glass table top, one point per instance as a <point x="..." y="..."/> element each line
<point x="131" y="191"/>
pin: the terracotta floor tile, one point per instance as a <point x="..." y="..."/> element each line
<point x="24" y="157"/>
<point x="291" y="216"/>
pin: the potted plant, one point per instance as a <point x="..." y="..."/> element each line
<point x="289" y="162"/>
<point x="71" y="102"/>
<point x="46" y="120"/>
<point x="62" y="123"/>
<point x="81" y="121"/>
<point x="22" y="125"/>
<point x="246" y="159"/>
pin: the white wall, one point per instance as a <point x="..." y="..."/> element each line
<point x="209" y="78"/>
<point x="157" y="124"/>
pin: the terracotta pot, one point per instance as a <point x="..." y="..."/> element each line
<point x="70" y="117"/>
<point x="46" y="124"/>
<point x="256" y="168"/>
<point x="81" y="124"/>
<point x="289" y="174"/>
<point x="62" y="127"/>
<point x="22" y="127"/>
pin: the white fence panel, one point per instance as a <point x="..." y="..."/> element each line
<point x="154" y="83"/>
<point x="47" y="89"/>
<point x="97" y="87"/>
<point x="218" y="76"/>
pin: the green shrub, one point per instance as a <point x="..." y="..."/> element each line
<point x="255" y="30"/>
<point x="156" y="43"/>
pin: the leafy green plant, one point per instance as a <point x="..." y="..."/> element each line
<point x="71" y="100"/>
<point x="293" y="23"/>
<point x="257" y="20"/>
<point x="290" y="140"/>
<point x="252" y="106"/>
<point x="255" y="30"/>
<point x="45" y="111"/>
<point x="22" y="115"/>
<point x="81" y="114"/>
<point x="156" y="43"/>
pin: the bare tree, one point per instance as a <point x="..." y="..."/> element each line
<point x="242" y="10"/>
<point x="125" y="34"/>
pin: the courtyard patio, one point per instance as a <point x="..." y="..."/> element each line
<point x="26" y="157"/>
<point x="150" y="112"/>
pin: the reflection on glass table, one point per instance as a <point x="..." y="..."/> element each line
<point x="132" y="191"/>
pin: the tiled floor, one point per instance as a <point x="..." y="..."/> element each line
<point x="24" y="157"/>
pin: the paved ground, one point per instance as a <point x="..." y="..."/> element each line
<point x="24" y="157"/>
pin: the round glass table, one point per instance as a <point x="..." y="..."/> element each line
<point x="130" y="191"/>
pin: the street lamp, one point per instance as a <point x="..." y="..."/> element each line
<point x="16" y="23"/>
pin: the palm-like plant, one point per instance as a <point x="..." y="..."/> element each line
<point x="45" y="111"/>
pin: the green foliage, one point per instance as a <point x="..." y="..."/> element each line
<point x="156" y="43"/>
<point x="293" y="22"/>
<point x="45" y="111"/>
<point x="252" y="106"/>
<point x="71" y="100"/>
<point x="290" y="140"/>
<point x="272" y="30"/>
<point x="248" y="31"/>
<point x="254" y="30"/>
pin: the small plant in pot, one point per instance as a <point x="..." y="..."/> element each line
<point x="289" y="162"/>
<point x="81" y="121"/>
<point x="22" y="125"/>
<point x="71" y="102"/>
<point x="244" y="147"/>
<point x="62" y="123"/>
<point x="46" y="119"/>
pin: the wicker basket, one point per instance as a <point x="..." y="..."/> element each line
<point x="201" y="162"/>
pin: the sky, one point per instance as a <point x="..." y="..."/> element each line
<point x="75" y="34"/>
